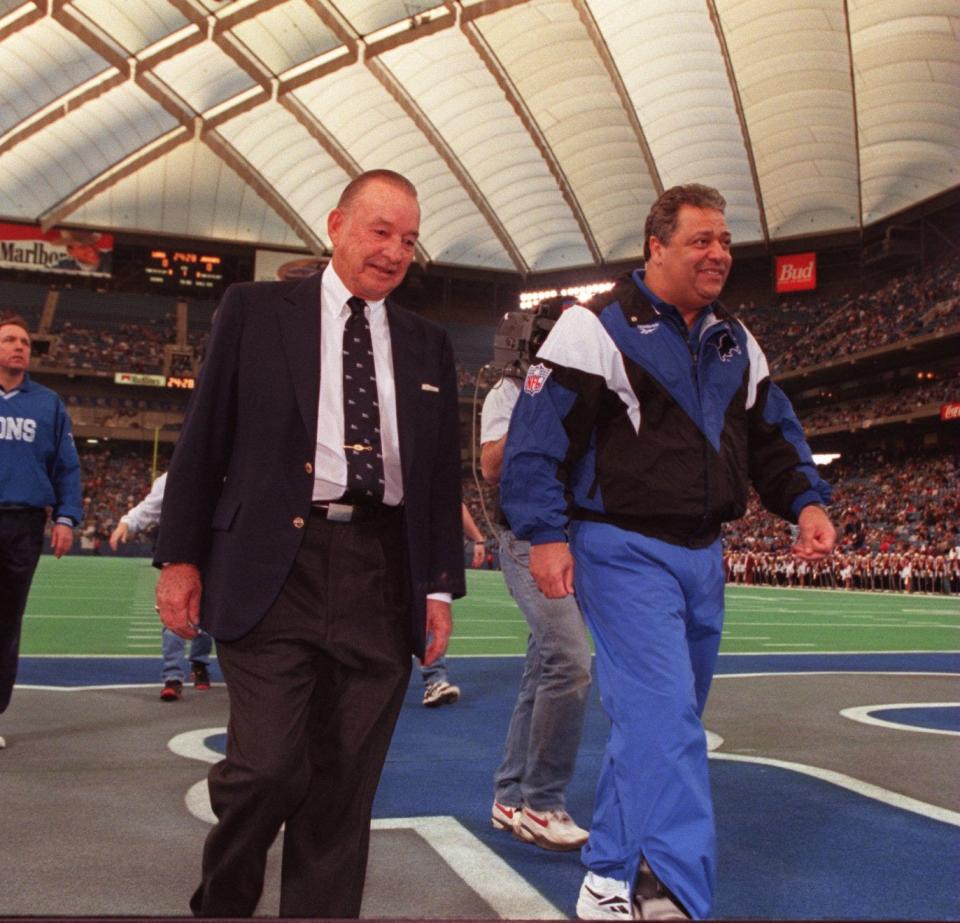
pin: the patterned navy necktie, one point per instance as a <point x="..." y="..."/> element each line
<point x="361" y="410"/>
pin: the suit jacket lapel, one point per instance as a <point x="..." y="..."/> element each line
<point x="407" y="349"/>
<point x="300" y="330"/>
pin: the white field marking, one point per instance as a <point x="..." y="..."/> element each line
<point x="848" y="627"/>
<point x="759" y="590"/>
<point x="806" y="673"/>
<point x="460" y="637"/>
<point x="883" y="653"/>
<point x="863" y="714"/>
<point x="955" y="612"/>
<point x="144" y="644"/>
<point x="733" y="637"/>
<point x="518" y="620"/>
<point x="507" y="892"/>
<point x="794" y="644"/>
<point x="480" y="867"/>
<point x="79" y="618"/>
<point x="103" y="688"/>
<point x="868" y="790"/>
<point x="77" y="596"/>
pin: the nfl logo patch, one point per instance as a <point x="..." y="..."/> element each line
<point x="537" y="376"/>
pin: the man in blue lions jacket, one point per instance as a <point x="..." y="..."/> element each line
<point x="39" y="469"/>
<point x="639" y="430"/>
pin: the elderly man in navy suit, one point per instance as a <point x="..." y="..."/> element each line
<point x="311" y="524"/>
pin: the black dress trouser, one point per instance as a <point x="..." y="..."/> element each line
<point x="315" y="690"/>
<point x="21" y="541"/>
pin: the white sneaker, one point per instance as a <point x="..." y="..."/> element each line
<point x="603" y="899"/>
<point x="442" y="693"/>
<point x="504" y="817"/>
<point x="553" y="830"/>
<point x="3" y="743"/>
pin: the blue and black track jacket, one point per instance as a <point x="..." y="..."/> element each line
<point x="39" y="466"/>
<point x="626" y="419"/>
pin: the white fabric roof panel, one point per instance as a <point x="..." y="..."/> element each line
<point x="547" y="52"/>
<point x="288" y="158"/>
<point x="199" y="196"/>
<point x="38" y="65"/>
<point x="134" y="24"/>
<point x="374" y="130"/>
<point x="204" y="76"/>
<point x="797" y="98"/>
<point x="73" y="151"/>
<point x="537" y="131"/>
<point x="908" y="86"/>
<point x="286" y="36"/>
<point x="672" y="65"/>
<point x="447" y="80"/>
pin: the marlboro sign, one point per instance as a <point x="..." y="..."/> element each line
<point x="88" y="253"/>
<point x="796" y="272"/>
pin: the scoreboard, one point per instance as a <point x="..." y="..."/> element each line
<point x="185" y="271"/>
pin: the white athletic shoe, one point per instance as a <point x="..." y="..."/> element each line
<point x="554" y="830"/>
<point x="442" y="693"/>
<point x="504" y="817"/>
<point x="3" y="743"/>
<point x="603" y="899"/>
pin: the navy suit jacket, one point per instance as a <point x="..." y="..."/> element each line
<point x="240" y="482"/>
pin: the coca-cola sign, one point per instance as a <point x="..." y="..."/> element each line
<point x="797" y="272"/>
<point x="950" y="411"/>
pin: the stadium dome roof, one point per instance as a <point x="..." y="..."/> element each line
<point x="537" y="131"/>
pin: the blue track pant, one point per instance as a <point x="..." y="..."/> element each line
<point x="656" y="612"/>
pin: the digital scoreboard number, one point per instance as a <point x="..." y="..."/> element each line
<point x="184" y="270"/>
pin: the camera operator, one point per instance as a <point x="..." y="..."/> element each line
<point x="544" y="734"/>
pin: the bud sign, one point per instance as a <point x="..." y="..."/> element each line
<point x="796" y="272"/>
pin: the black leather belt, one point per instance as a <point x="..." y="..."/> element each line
<point x="335" y="511"/>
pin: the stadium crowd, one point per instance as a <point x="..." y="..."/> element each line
<point x="899" y="524"/>
<point x="853" y="414"/>
<point x="906" y="307"/>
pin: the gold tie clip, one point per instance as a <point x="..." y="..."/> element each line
<point x="359" y="447"/>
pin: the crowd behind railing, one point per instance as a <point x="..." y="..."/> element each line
<point x="898" y="522"/>
<point x="798" y="334"/>
<point x="851" y="414"/>
<point x="793" y="333"/>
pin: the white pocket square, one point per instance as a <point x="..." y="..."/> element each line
<point x="426" y="387"/>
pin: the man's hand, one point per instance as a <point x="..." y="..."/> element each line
<point x="479" y="553"/>
<point x="178" y="599"/>
<point x="119" y="535"/>
<point x="551" y="566"/>
<point x="817" y="534"/>
<point x="439" y="627"/>
<point x="61" y="539"/>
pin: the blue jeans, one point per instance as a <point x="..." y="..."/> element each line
<point x="544" y="734"/>
<point x="656" y="613"/>
<point x="436" y="672"/>
<point x="173" y="647"/>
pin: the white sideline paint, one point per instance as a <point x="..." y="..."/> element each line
<point x="852" y="785"/>
<point x="507" y="892"/>
<point x="863" y="714"/>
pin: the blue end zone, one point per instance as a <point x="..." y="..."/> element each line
<point x="791" y="847"/>
<point x="935" y="718"/>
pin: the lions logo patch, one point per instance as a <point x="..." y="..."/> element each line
<point x="727" y="346"/>
<point x="537" y="376"/>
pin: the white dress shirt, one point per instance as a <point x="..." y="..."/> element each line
<point x="330" y="461"/>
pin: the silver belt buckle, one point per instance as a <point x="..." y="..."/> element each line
<point x="339" y="512"/>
